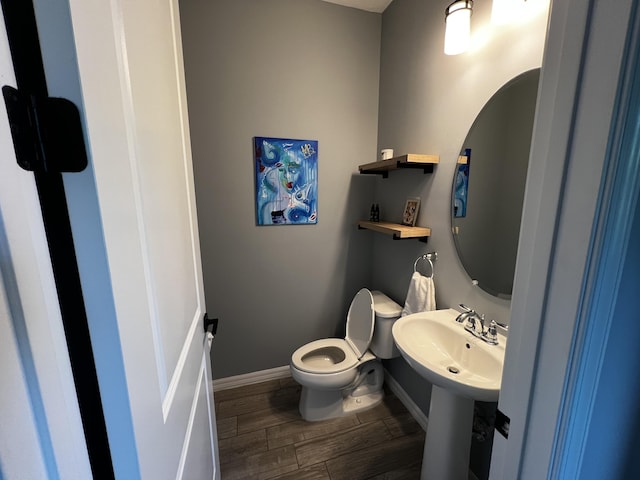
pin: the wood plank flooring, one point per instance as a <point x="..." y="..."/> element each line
<point x="262" y="436"/>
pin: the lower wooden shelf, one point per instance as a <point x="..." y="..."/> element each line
<point x="396" y="230"/>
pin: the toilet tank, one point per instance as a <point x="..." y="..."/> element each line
<point x="387" y="312"/>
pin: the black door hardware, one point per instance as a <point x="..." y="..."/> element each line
<point x="210" y="325"/>
<point x="47" y="132"/>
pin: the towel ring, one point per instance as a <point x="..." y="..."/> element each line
<point x="429" y="257"/>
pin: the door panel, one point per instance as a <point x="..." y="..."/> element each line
<point x="136" y="118"/>
<point x="163" y="178"/>
<point x="197" y="446"/>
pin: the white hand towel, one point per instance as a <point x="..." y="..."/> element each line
<point x="421" y="296"/>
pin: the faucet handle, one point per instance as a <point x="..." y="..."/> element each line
<point x="465" y="308"/>
<point x="481" y="319"/>
<point x="504" y="326"/>
<point x="492" y="334"/>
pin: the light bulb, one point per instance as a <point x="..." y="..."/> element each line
<point x="458" y="27"/>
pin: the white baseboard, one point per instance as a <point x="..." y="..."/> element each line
<point x="406" y="400"/>
<point x="251" y="378"/>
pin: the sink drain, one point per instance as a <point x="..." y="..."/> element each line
<point x="453" y="370"/>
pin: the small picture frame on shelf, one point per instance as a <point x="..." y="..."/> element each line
<point x="410" y="211"/>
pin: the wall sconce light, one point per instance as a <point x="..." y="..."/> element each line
<point x="457" y="18"/>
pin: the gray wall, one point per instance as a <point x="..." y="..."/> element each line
<point x="428" y="102"/>
<point x="283" y="68"/>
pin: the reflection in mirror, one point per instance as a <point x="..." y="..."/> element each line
<point x="488" y="185"/>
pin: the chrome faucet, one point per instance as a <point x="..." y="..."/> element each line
<point x="465" y="314"/>
<point x="475" y="325"/>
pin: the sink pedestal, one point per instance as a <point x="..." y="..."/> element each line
<point x="461" y="368"/>
<point x="448" y="439"/>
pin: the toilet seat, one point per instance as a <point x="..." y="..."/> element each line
<point x="327" y="348"/>
<point x="361" y="319"/>
<point x="333" y="355"/>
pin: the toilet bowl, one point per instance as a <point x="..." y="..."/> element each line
<point x="340" y="376"/>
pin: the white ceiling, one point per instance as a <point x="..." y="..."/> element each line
<point x="369" y="5"/>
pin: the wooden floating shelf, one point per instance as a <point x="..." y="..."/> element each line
<point x="396" y="230"/>
<point x="411" y="160"/>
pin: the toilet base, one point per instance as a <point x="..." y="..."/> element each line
<point x="353" y="404"/>
<point x="317" y="405"/>
<point x="365" y="392"/>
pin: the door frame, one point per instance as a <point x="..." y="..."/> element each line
<point x="31" y="82"/>
<point x="576" y="107"/>
<point x="48" y="414"/>
<point x="600" y="378"/>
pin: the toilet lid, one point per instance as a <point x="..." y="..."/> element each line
<point x="360" y="322"/>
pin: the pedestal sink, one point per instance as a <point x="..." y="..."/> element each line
<point x="462" y="368"/>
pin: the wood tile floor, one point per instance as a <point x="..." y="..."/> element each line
<point x="262" y="436"/>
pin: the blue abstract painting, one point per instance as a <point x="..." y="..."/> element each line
<point x="286" y="181"/>
<point x="461" y="187"/>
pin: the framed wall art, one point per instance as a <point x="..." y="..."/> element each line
<point x="410" y="213"/>
<point x="286" y="181"/>
<point x="461" y="185"/>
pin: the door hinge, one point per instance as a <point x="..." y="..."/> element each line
<point x="210" y="325"/>
<point x="46" y="131"/>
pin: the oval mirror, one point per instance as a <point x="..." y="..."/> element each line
<point x="488" y="185"/>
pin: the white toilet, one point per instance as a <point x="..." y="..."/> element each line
<point x="340" y="376"/>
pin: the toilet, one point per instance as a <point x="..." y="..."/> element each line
<point x="342" y="376"/>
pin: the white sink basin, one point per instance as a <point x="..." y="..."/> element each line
<point x="443" y="352"/>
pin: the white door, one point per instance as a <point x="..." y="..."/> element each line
<point x="129" y="56"/>
<point x="151" y="353"/>
<point x="15" y="415"/>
